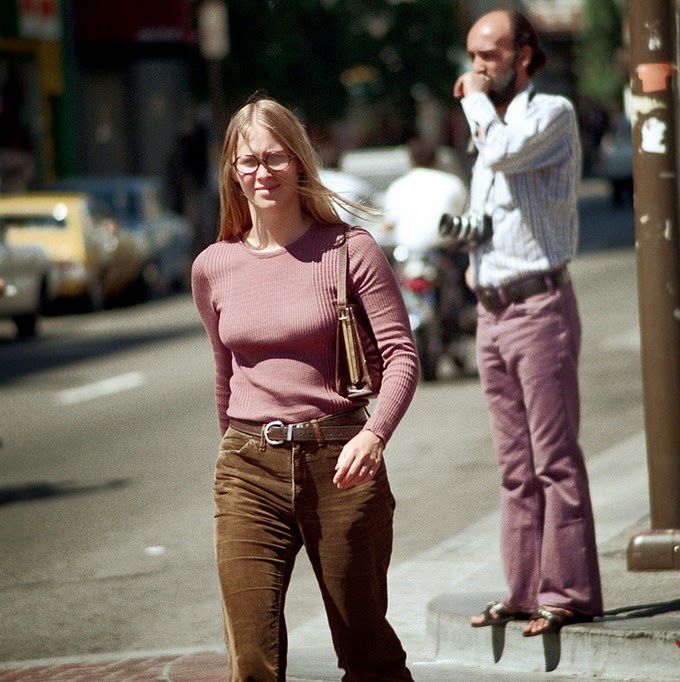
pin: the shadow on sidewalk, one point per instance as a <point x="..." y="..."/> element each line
<point x="642" y="610"/>
<point x="552" y="648"/>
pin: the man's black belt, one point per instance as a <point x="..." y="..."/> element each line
<point x="334" y="427"/>
<point x="495" y="299"/>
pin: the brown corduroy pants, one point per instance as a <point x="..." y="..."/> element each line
<point x="270" y="501"/>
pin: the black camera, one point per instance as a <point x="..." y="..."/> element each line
<point x="466" y="231"/>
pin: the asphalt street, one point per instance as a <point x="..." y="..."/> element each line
<point x="109" y="438"/>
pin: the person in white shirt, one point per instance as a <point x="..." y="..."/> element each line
<point x="413" y="207"/>
<point x="414" y="203"/>
<point x="525" y="178"/>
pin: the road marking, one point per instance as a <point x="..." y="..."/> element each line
<point x="117" y="384"/>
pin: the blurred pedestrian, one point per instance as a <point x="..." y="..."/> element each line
<point x="415" y="201"/>
<point x="414" y="204"/>
<point x="300" y="464"/>
<point x="528" y="334"/>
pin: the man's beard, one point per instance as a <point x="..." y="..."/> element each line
<point x="502" y="94"/>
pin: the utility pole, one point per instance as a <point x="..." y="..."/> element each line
<point x="655" y="171"/>
<point x="213" y="36"/>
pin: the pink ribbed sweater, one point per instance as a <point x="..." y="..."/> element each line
<point x="271" y="321"/>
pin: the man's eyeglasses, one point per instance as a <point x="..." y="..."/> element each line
<point x="274" y="161"/>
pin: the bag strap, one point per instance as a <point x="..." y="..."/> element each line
<point x="342" y="270"/>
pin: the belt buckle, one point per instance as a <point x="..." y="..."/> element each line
<point x="276" y="422"/>
<point x="489" y="298"/>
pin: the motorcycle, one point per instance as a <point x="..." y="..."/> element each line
<point x="417" y="280"/>
<point x="439" y="305"/>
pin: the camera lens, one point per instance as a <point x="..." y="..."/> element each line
<point x="447" y="223"/>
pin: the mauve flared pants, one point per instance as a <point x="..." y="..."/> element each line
<point x="270" y="501"/>
<point x="528" y="364"/>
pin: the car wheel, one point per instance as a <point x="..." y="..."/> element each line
<point x="429" y="351"/>
<point x="150" y="283"/>
<point x="27" y="325"/>
<point x="94" y="296"/>
<point x="182" y="281"/>
<point x="45" y="303"/>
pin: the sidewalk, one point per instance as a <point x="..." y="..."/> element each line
<point x="188" y="666"/>
<point x="639" y="637"/>
<point x="641" y="643"/>
<point x="208" y="666"/>
<point x="638" y="640"/>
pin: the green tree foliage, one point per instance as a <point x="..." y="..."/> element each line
<point x="288" y="49"/>
<point x="598" y="76"/>
<point x="407" y="45"/>
<point x="319" y="55"/>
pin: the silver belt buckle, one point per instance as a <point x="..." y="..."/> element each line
<point x="277" y="422"/>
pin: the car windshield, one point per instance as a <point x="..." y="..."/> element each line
<point x="130" y="205"/>
<point x="120" y="202"/>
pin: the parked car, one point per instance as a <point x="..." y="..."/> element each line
<point x="25" y="284"/>
<point x="138" y="203"/>
<point x="378" y="166"/>
<point x="94" y="260"/>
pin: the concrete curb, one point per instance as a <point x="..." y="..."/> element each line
<point x="631" y="642"/>
<point x="611" y="648"/>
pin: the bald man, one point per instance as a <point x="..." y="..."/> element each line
<point x="525" y="178"/>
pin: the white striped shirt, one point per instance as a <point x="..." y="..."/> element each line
<point x="526" y="177"/>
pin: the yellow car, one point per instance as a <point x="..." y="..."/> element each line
<point x="94" y="260"/>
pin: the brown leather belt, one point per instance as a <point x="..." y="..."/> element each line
<point x="495" y="299"/>
<point x="341" y="426"/>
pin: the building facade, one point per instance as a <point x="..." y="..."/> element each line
<point x="92" y="87"/>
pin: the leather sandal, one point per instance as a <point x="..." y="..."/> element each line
<point x="497" y="613"/>
<point x="556" y="618"/>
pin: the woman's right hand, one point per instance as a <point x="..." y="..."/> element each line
<point x="359" y="460"/>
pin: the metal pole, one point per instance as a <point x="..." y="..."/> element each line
<point x="653" y="79"/>
<point x="213" y="30"/>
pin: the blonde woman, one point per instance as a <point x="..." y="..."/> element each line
<point x="299" y="464"/>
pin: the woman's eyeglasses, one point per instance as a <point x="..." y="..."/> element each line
<point x="274" y="161"/>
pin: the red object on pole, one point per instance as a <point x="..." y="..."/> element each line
<point x="654" y="77"/>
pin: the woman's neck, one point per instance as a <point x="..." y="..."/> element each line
<point x="274" y="230"/>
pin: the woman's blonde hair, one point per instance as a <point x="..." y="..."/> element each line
<point x="316" y="199"/>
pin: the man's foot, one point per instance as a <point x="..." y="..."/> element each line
<point x="496" y="613"/>
<point x="547" y="619"/>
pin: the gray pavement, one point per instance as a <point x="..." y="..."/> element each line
<point x="638" y="639"/>
<point x="434" y="593"/>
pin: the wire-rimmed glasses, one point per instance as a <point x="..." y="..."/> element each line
<point x="248" y="164"/>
